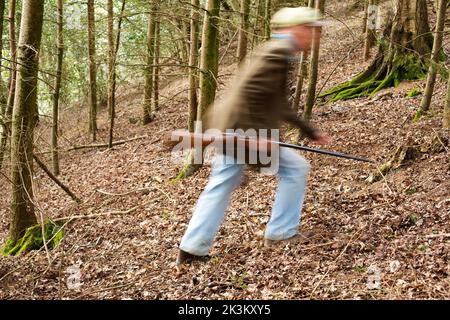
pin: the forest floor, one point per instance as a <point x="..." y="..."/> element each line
<point x="385" y="240"/>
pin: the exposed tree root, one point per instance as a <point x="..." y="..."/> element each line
<point x="403" y="155"/>
<point x="386" y="70"/>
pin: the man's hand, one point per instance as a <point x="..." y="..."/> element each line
<point x="322" y="138"/>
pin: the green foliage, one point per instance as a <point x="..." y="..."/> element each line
<point x="33" y="239"/>
<point x="360" y="269"/>
<point x="414" y="92"/>
<point x="240" y="281"/>
<point x="417" y="115"/>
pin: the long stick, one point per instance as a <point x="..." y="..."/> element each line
<point x="315" y="150"/>
<point x="207" y="139"/>
<point x="322" y="151"/>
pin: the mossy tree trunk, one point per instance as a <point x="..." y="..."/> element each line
<point x="437" y="49"/>
<point x="193" y="63"/>
<point x="92" y="70"/>
<point x="24" y="118"/>
<point x="402" y="54"/>
<point x="148" y="86"/>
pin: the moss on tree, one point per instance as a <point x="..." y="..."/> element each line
<point x="34" y="240"/>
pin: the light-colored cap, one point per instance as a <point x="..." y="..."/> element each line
<point x="289" y="17"/>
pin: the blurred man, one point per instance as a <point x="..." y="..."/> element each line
<point x="258" y="100"/>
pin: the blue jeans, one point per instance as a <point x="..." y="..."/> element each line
<point x="225" y="177"/>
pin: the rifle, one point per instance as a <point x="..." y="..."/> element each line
<point x="193" y="140"/>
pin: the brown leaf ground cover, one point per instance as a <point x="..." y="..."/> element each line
<point x="387" y="240"/>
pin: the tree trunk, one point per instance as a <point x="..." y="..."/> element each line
<point x="59" y="35"/>
<point x="437" y="49"/>
<point x="209" y="57"/>
<point x="24" y="120"/>
<point x="2" y="84"/>
<point x="156" y="63"/>
<point x="364" y="24"/>
<point x="370" y="28"/>
<point x="301" y="72"/>
<point x="401" y="57"/>
<point x="193" y="63"/>
<point x="313" y="68"/>
<point x="256" y="29"/>
<point x="243" y="31"/>
<point x="113" y="50"/>
<point x="12" y="80"/>
<point x="148" y="86"/>
<point x="92" y="71"/>
<point x="3" y="93"/>
<point x="111" y="96"/>
<point x="447" y="107"/>
<point x="267" y="14"/>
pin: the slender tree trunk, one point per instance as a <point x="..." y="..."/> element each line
<point x="3" y="93"/>
<point x="184" y="41"/>
<point x="437" y="49"/>
<point x="59" y="32"/>
<point x="25" y="106"/>
<point x="313" y="69"/>
<point x="243" y="31"/>
<point x="111" y="96"/>
<point x="193" y="63"/>
<point x="209" y="57"/>
<point x="256" y="24"/>
<point x="446" y="121"/>
<point x="148" y="86"/>
<point x="112" y="68"/>
<point x="364" y="24"/>
<point x="12" y="80"/>
<point x="3" y="89"/>
<point x="301" y="72"/>
<point x="156" y="63"/>
<point x="267" y="14"/>
<point x="92" y="71"/>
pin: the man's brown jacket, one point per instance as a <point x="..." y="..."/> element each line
<point x="258" y="97"/>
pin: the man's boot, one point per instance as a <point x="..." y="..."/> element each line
<point x="187" y="258"/>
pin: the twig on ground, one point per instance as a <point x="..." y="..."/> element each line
<point x="56" y="180"/>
